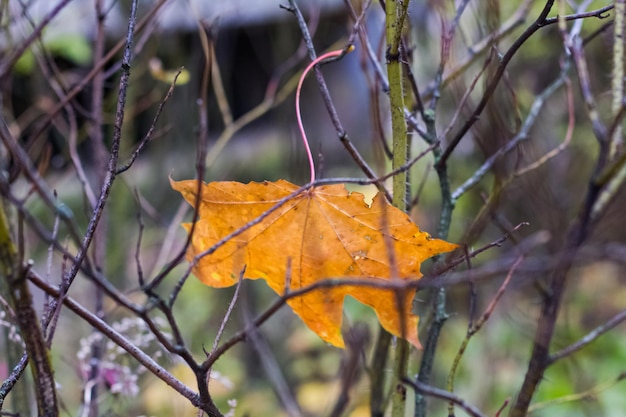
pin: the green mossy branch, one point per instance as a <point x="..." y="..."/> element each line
<point x="396" y="12"/>
<point x="14" y="273"/>
<point x="394" y="22"/>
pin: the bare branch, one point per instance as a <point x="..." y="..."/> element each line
<point x="430" y="391"/>
<point x="589" y="337"/>
<point x="491" y="87"/>
<point x="118" y="339"/>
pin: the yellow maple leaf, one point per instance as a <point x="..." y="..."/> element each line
<point x="324" y="232"/>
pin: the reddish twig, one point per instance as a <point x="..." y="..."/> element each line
<point x="332" y="111"/>
<point x="332" y="54"/>
<point x="502" y="407"/>
<point x="476" y="327"/>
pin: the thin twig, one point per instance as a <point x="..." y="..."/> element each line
<point x="431" y="391"/>
<point x="201" y="156"/>
<point x="481" y="47"/>
<point x="111" y="166"/>
<point x="472" y="291"/>
<point x="446" y="47"/>
<point x="357" y="339"/>
<point x="579" y="396"/>
<point x="474" y="328"/>
<point x="461" y="105"/>
<point x="12" y="378"/>
<point x="14" y="272"/>
<point x="169" y="239"/>
<point x="270" y="364"/>
<point x="118" y="339"/>
<point x="421" y="185"/>
<point x="330" y="106"/>
<point x="148" y="136"/>
<point x="588" y="338"/>
<point x="600" y="13"/>
<point x="91" y="406"/>
<point x="566" y="141"/>
<point x="491" y="87"/>
<point x="576" y="236"/>
<point x="35" y="180"/>
<point x="229" y="311"/>
<point x="438" y="296"/>
<point x="96" y="69"/>
<point x="523" y="134"/>
<point x="584" y="80"/>
<point x="368" y="282"/>
<point x="502" y="407"/>
<point x="140" y="275"/>
<point x="75" y="158"/>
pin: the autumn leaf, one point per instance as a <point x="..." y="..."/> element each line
<point x="324" y="232"/>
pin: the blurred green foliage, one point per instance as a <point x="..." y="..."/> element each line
<point x="75" y="49"/>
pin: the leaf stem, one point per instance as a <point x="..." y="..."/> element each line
<point x="331" y="54"/>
